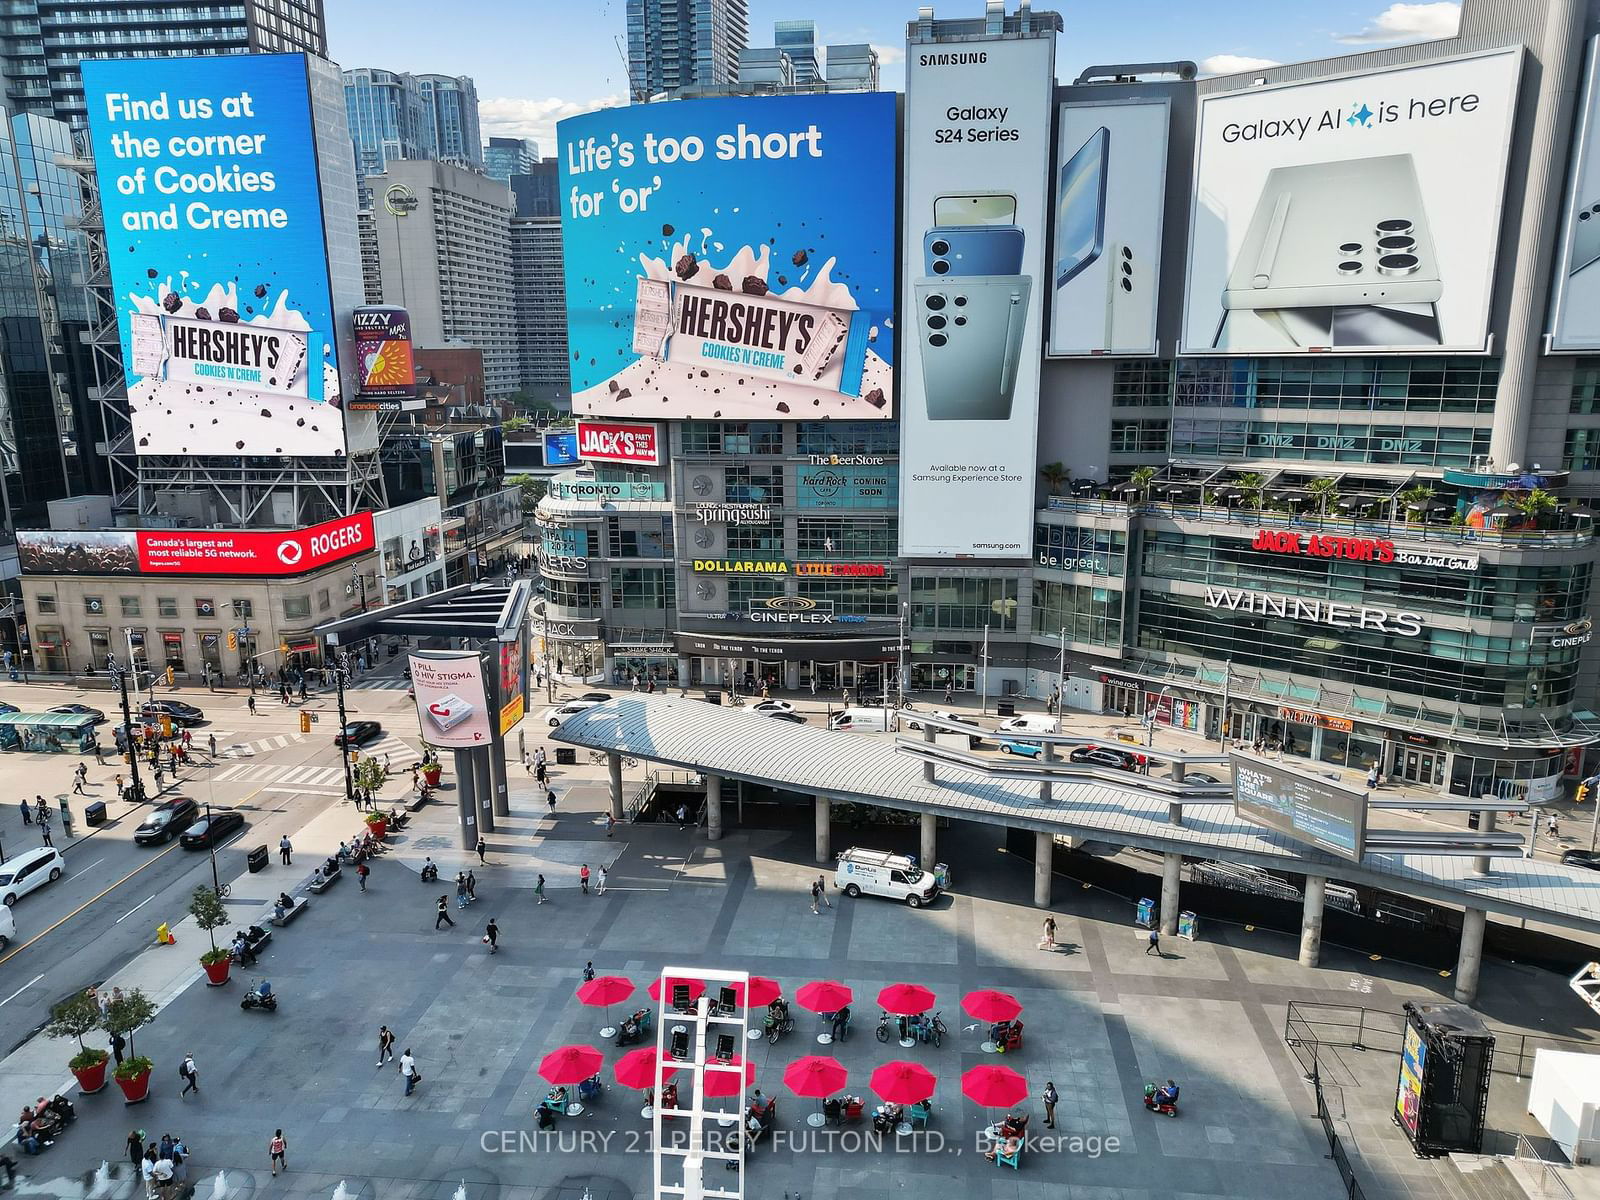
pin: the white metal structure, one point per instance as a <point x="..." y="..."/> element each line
<point x="713" y="1121"/>
<point x="1587" y="984"/>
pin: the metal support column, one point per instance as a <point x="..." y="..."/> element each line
<point x="928" y="735"/>
<point x="1171" y="868"/>
<point x="930" y="841"/>
<point x="466" y="800"/>
<point x="713" y="808"/>
<point x="824" y="830"/>
<point x="1471" y="955"/>
<point x="614" y="771"/>
<point x="483" y="772"/>
<point x="1480" y="863"/>
<point x="1311" y="921"/>
<point x="1046" y="757"/>
<point x="1044" y="849"/>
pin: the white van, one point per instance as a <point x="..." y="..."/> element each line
<point x="879" y="873"/>
<point x="1029" y="723"/>
<point x="869" y="719"/>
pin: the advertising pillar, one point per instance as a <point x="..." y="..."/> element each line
<point x="977" y="138"/>
<point x="484" y="779"/>
<point x="466" y="799"/>
<point x="453" y="714"/>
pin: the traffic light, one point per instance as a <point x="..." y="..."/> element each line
<point x="169" y="676"/>
<point x="305" y="722"/>
<point x="233" y="640"/>
<point x="283" y="648"/>
<point x="1585" y="790"/>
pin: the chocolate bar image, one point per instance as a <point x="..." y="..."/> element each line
<point x="824" y="344"/>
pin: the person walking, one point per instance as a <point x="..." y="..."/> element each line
<point x="285" y="849"/>
<point x="1051" y="1098"/>
<point x="1049" y="942"/>
<point x="191" y="1076"/>
<point x="362" y="871"/>
<point x="600" y="881"/>
<point x="538" y="756"/>
<point x="540" y="775"/>
<point x="538" y="889"/>
<point x="1372" y="775"/>
<point x="482" y="846"/>
<point x="119" y="786"/>
<point x="461" y="889"/>
<point x="611" y="824"/>
<point x="1154" y="946"/>
<point x="277" y="1148"/>
<point x="822" y="891"/>
<point x="118" y="1045"/>
<point x="588" y="971"/>
<point x="251" y="705"/>
<point x="550" y="799"/>
<point x="44" y="832"/>
<point x="408" y="1071"/>
<point x="583" y="878"/>
<point x="1552" y="827"/>
<point x="491" y="934"/>
<point x="135" y="1147"/>
<point x="211" y="744"/>
<point x="27" y="812"/>
<point x="443" y="917"/>
<point x="472" y="887"/>
<point x="385" y="1044"/>
<point x="78" y="777"/>
<point x="816" y="898"/>
<point x="99" y="754"/>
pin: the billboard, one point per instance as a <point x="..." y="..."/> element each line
<point x="209" y="183"/>
<point x="385" y="373"/>
<point x="452" y="710"/>
<point x="977" y="132"/>
<point x="731" y="257"/>
<point x="847" y="486"/>
<point x="1408" y="1090"/>
<point x="561" y="449"/>
<point x="1304" y="806"/>
<point x="1110" y="189"/>
<point x="620" y="441"/>
<point x="1330" y="215"/>
<point x="195" y="551"/>
<point x="513" y="690"/>
<point x="1575" y="299"/>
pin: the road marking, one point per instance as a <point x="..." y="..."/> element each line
<point x="92" y="865"/>
<point x="133" y="910"/>
<point x="20" y="990"/>
<point x="306" y="791"/>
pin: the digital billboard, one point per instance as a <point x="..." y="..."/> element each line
<point x="561" y="449"/>
<point x="452" y="709"/>
<point x="977" y="129"/>
<point x="385" y="372"/>
<point x="513" y="689"/>
<point x="194" y="551"/>
<point x="208" y="178"/>
<point x="847" y="486"/>
<point x="1306" y="807"/>
<point x="1359" y="214"/>
<point x="1408" y="1090"/>
<point x="620" y="441"/>
<point x="731" y="257"/>
<point x="1575" y="303"/>
<point x="1110" y="189"/>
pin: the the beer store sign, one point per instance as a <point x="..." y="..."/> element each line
<point x="1357" y="549"/>
<point x="1316" y="612"/>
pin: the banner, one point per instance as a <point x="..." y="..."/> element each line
<point x="452" y="711"/>
<point x="1358" y="214"/>
<point x="847" y="487"/>
<point x="195" y="551"/>
<point x="618" y="441"/>
<point x="513" y="697"/>
<point x="385" y="372"/>
<point x="977" y="132"/>
<point x="731" y="258"/>
<point x="561" y="449"/>
<point x="1110" y="191"/>
<point x="209" y="182"/>
<point x="1575" y="300"/>
<point x="1299" y="804"/>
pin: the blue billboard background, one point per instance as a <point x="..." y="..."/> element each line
<point x="213" y="216"/>
<point x="560" y="449"/>
<point x="849" y="486"/>
<point x="797" y="217"/>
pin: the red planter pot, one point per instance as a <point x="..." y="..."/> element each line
<point x="217" y="972"/>
<point x="431" y="776"/>
<point x="378" y="828"/>
<point x="136" y="1089"/>
<point x="91" y="1079"/>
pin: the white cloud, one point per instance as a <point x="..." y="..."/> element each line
<point x="1409" y="22"/>
<point x="889" y="55"/>
<point x="510" y="117"/>
<point x="1234" y="64"/>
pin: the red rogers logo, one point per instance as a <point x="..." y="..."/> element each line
<point x="609" y="441"/>
<point x="290" y="552"/>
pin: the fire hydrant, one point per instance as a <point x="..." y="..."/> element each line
<point x="164" y="935"/>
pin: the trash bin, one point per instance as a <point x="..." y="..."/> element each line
<point x="1005" y="708"/>
<point x="95" y="814"/>
<point x="257" y="861"/>
<point x="713" y="697"/>
<point x="566" y="756"/>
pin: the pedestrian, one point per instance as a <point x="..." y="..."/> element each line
<point x="251" y="705"/>
<point x="472" y="887"/>
<point x="540" y="775"/>
<point x="187" y="739"/>
<point x="482" y="846"/>
<point x="600" y="882"/>
<point x="285" y="849"/>
<point x="135" y="1147"/>
<point x="538" y="756"/>
<point x="9" y="1164"/>
<point x="443" y="917"/>
<point x="408" y="1070"/>
<point x="1155" y="943"/>
<point x="822" y="891"/>
<point x="1372" y="775"/>
<point x="1552" y="827"/>
<point x="77" y="780"/>
<point x="816" y="899"/>
<point x="1049" y="942"/>
<point x="611" y="824"/>
<point x="949" y="693"/>
<point x="27" y="813"/>
<point x="491" y="934"/>
<point x="461" y="889"/>
<point x="362" y="871"/>
<point x="683" y="815"/>
<point x="119" y="792"/>
<point x="44" y="831"/>
<point x="583" y="878"/>
<point x="191" y="1076"/>
<point x="211" y="744"/>
<point x="550" y="799"/>
<point x="41" y="811"/>
<point x="277" y="1147"/>
<point x="1051" y="1098"/>
<point x="538" y="889"/>
<point x="527" y="762"/>
<point x="118" y="1044"/>
<point x="385" y="1044"/>
<point x="588" y="971"/>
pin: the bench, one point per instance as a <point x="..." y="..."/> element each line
<point x="300" y="905"/>
<point x="416" y="801"/>
<point x="328" y="880"/>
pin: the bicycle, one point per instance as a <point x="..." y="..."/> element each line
<point x="600" y="756"/>
<point x="224" y="891"/>
<point x="883" y="1027"/>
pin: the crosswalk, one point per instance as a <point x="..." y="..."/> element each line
<point x="305" y="776"/>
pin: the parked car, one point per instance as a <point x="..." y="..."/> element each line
<point x="211" y="830"/>
<point x="29" y="870"/>
<point x="1103" y="756"/>
<point x="910" y="718"/>
<point x="79" y="710"/>
<point x="7" y="709"/>
<point x="772" y="706"/>
<point x="795" y="717"/>
<point x="1582" y="858"/>
<point x="596" y="697"/>
<point x="868" y="719"/>
<point x="1026" y="749"/>
<point x="8" y="925"/>
<point x="1029" y="723"/>
<point x="561" y="712"/>
<point x="357" y="732"/>
<point x="166" y="821"/>
<point x="179" y="712"/>
<point x="1199" y="777"/>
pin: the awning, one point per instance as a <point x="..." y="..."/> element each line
<point x="793" y="649"/>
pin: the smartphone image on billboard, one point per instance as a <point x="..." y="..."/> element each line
<point x="975" y="208"/>
<point x="973" y="234"/>
<point x="1081" y="210"/>
<point x="970" y="330"/>
<point x="1585" y="238"/>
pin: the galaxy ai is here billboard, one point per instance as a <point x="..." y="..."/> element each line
<point x="1358" y="214"/>
<point x="732" y="257"/>
<point x="213" y="216"/>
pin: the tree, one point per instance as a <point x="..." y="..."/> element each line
<point x="74" y="1017"/>
<point x="1416" y="498"/>
<point x="1535" y="504"/>
<point x="513" y="424"/>
<point x="1055" y="474"/>
<point x="369" y="775"/>
<point x="1325" y="492"/>
<point x="533" y="490"/>
<point x="1253" y="484"/>
<point x="123" y="1016"/>
<point x="205" y="906"/>
<point x="1142" y="477"/>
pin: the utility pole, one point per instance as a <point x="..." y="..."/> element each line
<point x="121" y="677"/>
<point x="211" y="843"/>
<point x="341" y="666"/>
<point x="985" y="669"/>
<point x="1061" y="678"/>
<point x="905" y="609"/>
<point x="1227" y="683"/>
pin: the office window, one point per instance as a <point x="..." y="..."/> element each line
<point x="243" y="610"/>
<point x="45" y="603"/>
<point x="959" y="602"/>
<point x="94" y="605"/>
<point x="130" y="605"/>
<point x="296" y="608"/>
<point x="324" y="600"/>
<point x="205" y="609"/>
<point x="167" y="606"/>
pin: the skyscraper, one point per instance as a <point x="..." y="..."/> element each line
<point x="852" y="67"/>
<point x="684" y="43"/>
<point x="537" y="191"/>
<point x="504" y="157"/>
<point x="541" y="306"/>
<point x="389" y="118"/>
<point x="41" y="43"/>
<point x="454" y="99"/>
<point x="798" y="39"/>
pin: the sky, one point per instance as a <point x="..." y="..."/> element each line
<point x="537" y="61"/>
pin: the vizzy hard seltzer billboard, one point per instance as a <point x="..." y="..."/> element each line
<point x="213" y="216"/>
<point x="977" y="133"/>
<point x="385" y="372"/>
<point x="1358" y="214"/>
<point x="731" y="258"/>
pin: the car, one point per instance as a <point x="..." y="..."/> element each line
<point x="596" y="697"/>
<point x="166" y="821"/>
<point x="1199" y="777"/>
<point x="8" y="925"/>
<point x="1582" y="858"/>
<point x="1102" y="756"/>
<point x="772" y="706"/>
<point x="554" y="716"/>
<point x="179" y="712"/>
<point x="29" y="870"/>
<point x="1026" y="749"/>
<point x="1029" y="723"/>
<point x="357" y="732"/>
<point x="911" y="721"/>
<point x="79" y="710"/>
<point x="797" y="718"/>
<point x="211" y="830"/>
<point x="7" y="709"/>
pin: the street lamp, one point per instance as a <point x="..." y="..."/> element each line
<point x="120" y="674"/>
<point x="211" y="844"/>
<point x="358" y="579"/>
<point x="341" y="668"/>
<point x="905" y="610"/>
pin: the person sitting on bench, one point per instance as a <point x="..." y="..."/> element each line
<point x="242" y="953"/>
<point x="318" y="879"/>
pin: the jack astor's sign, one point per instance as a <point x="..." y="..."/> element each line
<point x="1357" y="549"/>
<point x="1316" y="612"/>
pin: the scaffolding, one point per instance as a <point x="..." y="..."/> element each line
<point x="716" y="1133"/>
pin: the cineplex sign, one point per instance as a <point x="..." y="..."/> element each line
<point x="1357" y="549"/>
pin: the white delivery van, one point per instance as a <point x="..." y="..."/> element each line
<point x="869" y="719"/>
<point x="879" y="873"/>
<point x="1029" y="723"/>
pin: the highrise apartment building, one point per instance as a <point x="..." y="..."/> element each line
<point x="852" y="67"/>
<point x="684" y="43"/>
<point x="541" y="306"/>
<point x="454" y="100"/>
<point x="389" y="118"/>
<point x="504" y="157"/>
<point x="798" y="39"/>
<point x="41" y="43"/>
<point x="537" y="192"/>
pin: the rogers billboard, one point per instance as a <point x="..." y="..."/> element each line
<point x="195" y="551"/>
<point x="615" y="441"/>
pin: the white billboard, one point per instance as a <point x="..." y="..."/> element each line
<point x="1110" y="189"/>
<point x="452" y="706"/>
<point x="1358" y="214"/>
<point x="977" y="129"/>
<point x="1575" y="303"/>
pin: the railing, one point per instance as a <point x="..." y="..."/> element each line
<point x="1547" y="1176"/>
<point x="642" y="797"/>
<point x="1336" y="1150"/>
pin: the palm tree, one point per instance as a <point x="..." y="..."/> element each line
<point x="1055" y="474"/>
<point x="1324" y="491"/>
<point x="1415" y="498"/>
<point x="1142" y="477"/>
<point x="1535" y="504"/>
<point x="1252" y="484"/>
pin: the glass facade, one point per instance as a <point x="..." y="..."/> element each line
<point x="1088" y="613"/>
<point x="957" y="602"/>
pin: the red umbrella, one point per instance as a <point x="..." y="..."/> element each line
<point x="816" y="1075"/>
<point x="905" y="999"/>
<point x="605" y="991"/>
<point x="823" y="996"/>
<point x="696" y="988"/>
<point x="989" y="1005"/>
<point x="994" y="1087"/>
<point x="762" y="991"/>
<point x="903" y="1082"/>
<point x="728" y="1083"/>
<point x="637" y="1068"/>
<point x="570" y="1064"/>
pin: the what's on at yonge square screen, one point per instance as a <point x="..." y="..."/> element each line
<point x="1300" y="805"/>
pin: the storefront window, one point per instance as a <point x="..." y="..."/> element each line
<point x="211" y="649"/>
<point x="172" y="650"/>
<point x="99" y="648"/>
